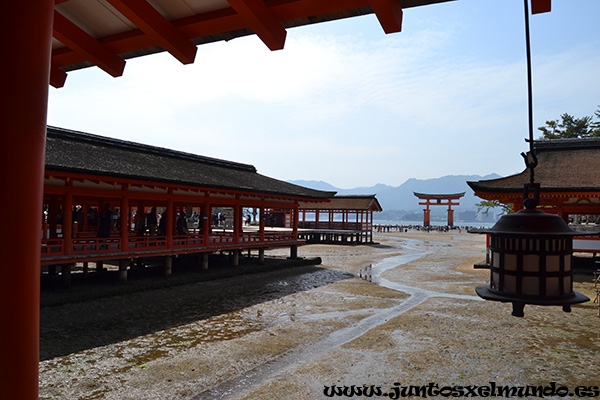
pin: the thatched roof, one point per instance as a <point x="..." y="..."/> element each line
<point x="79" y="152"/>
<point x="564" y="165"/>
<point x="348" y="202"/>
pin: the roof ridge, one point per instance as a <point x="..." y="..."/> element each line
<point x="124" y="144"/>
<point x="566" y="143"/>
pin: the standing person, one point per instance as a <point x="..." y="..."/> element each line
<point x="162" y="224"/>
<point x="140" y="222"/>
<point x="152" y="221"/>
<point x="182" y="228"/>
<point x="105" y="222"/>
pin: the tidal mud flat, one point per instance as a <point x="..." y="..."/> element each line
<point x="291" y="333"/>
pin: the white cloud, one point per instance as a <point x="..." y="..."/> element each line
<point x="351" y="110"/>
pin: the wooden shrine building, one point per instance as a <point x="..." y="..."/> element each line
<point x="568" y="172"/>
<point x="46" y="40"/>
<point x="145" y="189"/>
<point x="438" y="200"/>
<point x="344" y="219"/>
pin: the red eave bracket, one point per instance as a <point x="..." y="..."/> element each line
<point x="150" y="21"/>
<point x="389" y="14"/>
<point x="541" y="6"/>
<point x="57" y="76"/>
<point x="262" y="21"/>
<point x="77" y="39"/>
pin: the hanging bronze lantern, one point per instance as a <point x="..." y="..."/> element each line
<point x="531" y="251"/>
<point x="531" y="261"/>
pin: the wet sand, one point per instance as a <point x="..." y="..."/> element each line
<point x="290" y="333"/>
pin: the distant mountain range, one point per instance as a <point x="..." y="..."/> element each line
<point x="401" y="198"/>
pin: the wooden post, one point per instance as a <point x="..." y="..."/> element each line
<point x="53" y="218"/>
<point x="67" y="226"/>
<point x="207" y="227"/>
<point x="293" y="252"/>
<point x="123" y="264"/>
<point x="168" y="265"/>
<point x="427" y="215"/>
<point x="204" y="260"/>
<point x="295" y="222"/>
<point x="24" y="96"/>
<point x="124" y="222"/>
<point x="237" y="222"/>
<point x="169" y="222"/>
<point x="261" y="225"/>
<point x="65" y="274"/>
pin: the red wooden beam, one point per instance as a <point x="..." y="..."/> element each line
<point x="262" y="21"/>
<point x="77" y="39"/>
<point x="210" y="23"/>
<point x="389" y="14"/>
<point x="157" y="27"/>
<point x="57" y="76"/>
<point x="541" y="6"/>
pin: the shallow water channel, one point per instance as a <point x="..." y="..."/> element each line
<point x="110" y="337"/>
<point x="412" y="250"/>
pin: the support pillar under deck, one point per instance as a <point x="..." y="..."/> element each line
<point x="168" y="265"/>
<point x="123" y="264"/>
<point x="204" y="261"/>
<point x="294" y="252"/>
<point x="65" y="274"/>
<point x="235" y="258"/>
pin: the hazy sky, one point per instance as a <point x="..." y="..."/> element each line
<point x="347" y="104"/>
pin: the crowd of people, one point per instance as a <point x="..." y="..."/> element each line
<point x="385" y="228"/>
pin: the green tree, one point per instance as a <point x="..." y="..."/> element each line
<point x="596" y="124"/>
<point x="484" y="207"/>
<point x="568" y="127"/>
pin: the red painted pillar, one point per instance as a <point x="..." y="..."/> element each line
<point x="67" y="226"/>
<point x="125" y="222"/>
<point x="206" y="221"/>
<point x="261" y="224"/>
<point x="207" y="225"/>
<point x="427" y="215"/>
<point x="24" y="98"/>
<point x="237" y="222"/>
<point x="53" y="217"/>
<point x="450" y="216"/>
<point x="295" y="222"/>
<point x="169" y="223"/>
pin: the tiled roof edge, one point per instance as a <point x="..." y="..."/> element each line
<point x="566" y="144"/>
<point x="123" y="144"/>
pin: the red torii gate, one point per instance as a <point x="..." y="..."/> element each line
<point x="440" y="200"/>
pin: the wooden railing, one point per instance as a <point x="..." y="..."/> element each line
<point x="336" y="225"/>
<point x="82" y="245"/>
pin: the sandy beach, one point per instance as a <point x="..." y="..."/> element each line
<point x="411" y="319"/>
